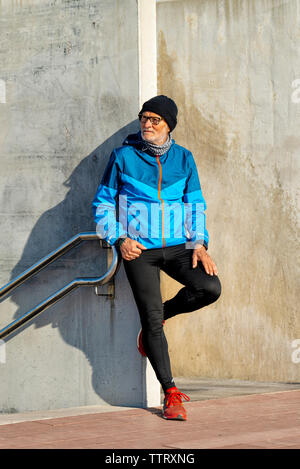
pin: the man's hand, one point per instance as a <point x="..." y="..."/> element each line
<point x="131" y="249"/>
<point x="200" y="254"/>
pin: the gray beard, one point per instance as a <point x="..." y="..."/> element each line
<point x="158" y="149"/>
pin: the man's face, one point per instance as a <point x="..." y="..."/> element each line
<point x="156" y="134"/>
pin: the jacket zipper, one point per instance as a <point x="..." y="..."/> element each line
<point x="161" y="200"/>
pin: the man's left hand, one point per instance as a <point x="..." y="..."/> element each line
<point x="200" y="254"/>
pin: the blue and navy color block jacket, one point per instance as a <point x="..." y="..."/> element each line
<point x="156" y="200"/>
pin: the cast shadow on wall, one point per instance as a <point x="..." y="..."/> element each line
<point x="83" y="319"/>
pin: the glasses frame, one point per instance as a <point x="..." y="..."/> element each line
<point x="154" y="120"/>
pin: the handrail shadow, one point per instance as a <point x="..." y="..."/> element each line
<point x="78" y="317"/>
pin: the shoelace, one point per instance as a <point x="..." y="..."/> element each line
<point x="175" y="398"/>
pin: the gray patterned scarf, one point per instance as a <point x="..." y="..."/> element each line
<point x="158" y="149"/>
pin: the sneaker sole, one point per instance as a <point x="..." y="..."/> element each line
<point x="179" y="417"/>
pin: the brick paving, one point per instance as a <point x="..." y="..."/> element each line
<point x="260" y="421"/>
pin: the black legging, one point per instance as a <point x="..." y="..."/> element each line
<point x="143" y="273"/>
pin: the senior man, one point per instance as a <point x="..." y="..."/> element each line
<point x="150" y="205"/>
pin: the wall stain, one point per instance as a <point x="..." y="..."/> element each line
<point x="206" y="136"/>
<point x="251" y="222"/>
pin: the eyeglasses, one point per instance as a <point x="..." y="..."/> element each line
<point x="153" y="120"/>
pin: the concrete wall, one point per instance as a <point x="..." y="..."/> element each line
<point x="70" y="92"/>
<point x="232" y="67"/>
<point x="73" y="76"/>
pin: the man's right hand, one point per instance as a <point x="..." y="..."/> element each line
<point x="131" y="249"/>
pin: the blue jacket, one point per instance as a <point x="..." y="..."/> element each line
<point x="156" y="200"/>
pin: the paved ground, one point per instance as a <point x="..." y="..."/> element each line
<point x="267" y="420"/>
<point x="211" y="388"/>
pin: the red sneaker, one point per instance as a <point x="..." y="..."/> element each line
<point x="139" y="343"/>
<point x="173" y="408"/>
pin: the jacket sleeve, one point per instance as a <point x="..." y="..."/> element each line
<point x="194" y="207"/>
<point x="104" y="204"/>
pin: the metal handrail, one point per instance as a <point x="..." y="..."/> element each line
<point x="54" y="298"/>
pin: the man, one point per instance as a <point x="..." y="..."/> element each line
<point x="160" y="225"/>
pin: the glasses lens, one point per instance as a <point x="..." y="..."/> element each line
<point x="153" y="120"/>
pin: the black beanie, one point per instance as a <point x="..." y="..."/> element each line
<point x="164" y="107"/>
